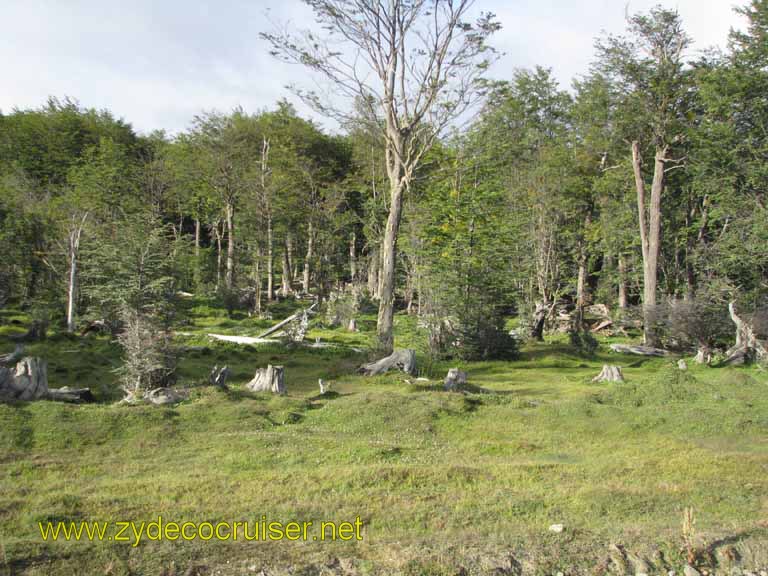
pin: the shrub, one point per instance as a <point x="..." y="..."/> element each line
<point x="148" y="360"/>
<point x="584" y="342"/>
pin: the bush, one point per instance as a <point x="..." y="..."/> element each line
<point x="584" y="342"/>
<point x="700" y="322"/>
<point x="476" y="334"/>
<point x="148" y="360"/>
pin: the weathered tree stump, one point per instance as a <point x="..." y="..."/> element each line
<point x="455" y="380"/>
<point x="703" y="355"/>
<point x="609" y="373"/>
<point x="324" y="387"/>
<point x="27" y="381"/>
<point x="681" y="365"/>
<point x="269" y="379"/>
<point x="747" y="347"/>
<point x="639" y="350"/>
<point x="218" y="376"/>
<point x="403" y="360"/>
<point x="352" y="326"/>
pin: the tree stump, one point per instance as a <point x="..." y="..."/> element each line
<point x="218" y="377"/>
<point x="681" y="365"/>
<point x="269" y="379"/>
<point x="455" y="380"/>
<point x="703" y="355"/>
<point x="403" y="360"/>
<point x="352" y="326"/>
<point x="27" y="381"/>
<point x="609" y="374"/>
<point x="748" y="347"/>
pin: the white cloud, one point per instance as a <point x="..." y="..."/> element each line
<point x="157" y="63"/>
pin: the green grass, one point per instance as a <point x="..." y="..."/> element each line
<point x="442" y="481"/>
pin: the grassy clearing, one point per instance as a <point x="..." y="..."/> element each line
<point x="442" y="481"/>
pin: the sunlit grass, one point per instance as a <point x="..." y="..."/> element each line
<point x="425" y="469"/>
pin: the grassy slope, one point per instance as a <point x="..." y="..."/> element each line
<point x="441" y="480"/>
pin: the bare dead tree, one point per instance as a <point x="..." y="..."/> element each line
<point x="413" y="67"/>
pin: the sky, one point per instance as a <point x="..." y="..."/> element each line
<point x="157" y="63"/>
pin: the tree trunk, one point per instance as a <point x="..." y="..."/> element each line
<point x="285" y="288"/>
<point x="75" y="233"/>
<point x="196" y="273"/>
<point x="580" y="289"/>
<point x="539" y="318"/>
<point x="257" y="282"/>
<point x="352" y="259"/>
<point x="373" y="274"/>
<point x="622" y="283"/>
<point x="270" y="260"/>
<point x="230" y="213"/>
<point x="384" y="326"/>
<point x="291" y="260"/>
<point x="197" y="239"/>
<point x="72" y="286"/>
<point x="217" y="233"/>
<point x="308" y="258"/>
<point x="650" y="235"/>
<point x="581" y="282"/>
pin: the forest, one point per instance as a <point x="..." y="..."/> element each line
<point x="588" y="264"/>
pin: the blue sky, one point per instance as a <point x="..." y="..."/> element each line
<point x="157" y="63"/>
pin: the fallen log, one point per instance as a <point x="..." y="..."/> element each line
<point x="67" y="394"/>
<point x="639" y="350"/>
<point x="288" y="320"/>
<point x="609" y="373"/>
<point x="269" y="379"/>
<point x="601" y="326"/>
<point x="455" y="380"/>
<point x="403" y="360"/>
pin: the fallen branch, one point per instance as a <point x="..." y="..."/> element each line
<point x="288" y="320"/>
<point x="639" y="350"/>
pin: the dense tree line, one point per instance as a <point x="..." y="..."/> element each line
<point x="643" y="187"/>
